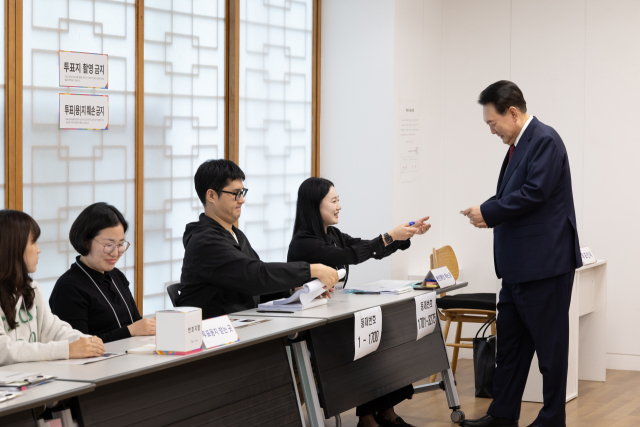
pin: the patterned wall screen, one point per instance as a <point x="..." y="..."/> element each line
<point x="184" y="50"/>
<point x="2" y="110"/>
<point x="275" y="117"/>
<point x="65" y="171"/>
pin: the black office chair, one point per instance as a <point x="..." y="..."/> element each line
<point x="172" y="290"/>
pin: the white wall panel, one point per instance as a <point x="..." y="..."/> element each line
<point x="356" y="127"/>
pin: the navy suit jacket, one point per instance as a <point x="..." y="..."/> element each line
<point x="532" y="214"/>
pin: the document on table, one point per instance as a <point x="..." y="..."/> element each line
<point x="386" y="286"/>
<point x="243" y="323"/>
<point x="88" y="359"/>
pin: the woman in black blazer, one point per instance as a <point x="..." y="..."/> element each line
<point x="316" y="240"/>
<point x="93" y="296"/>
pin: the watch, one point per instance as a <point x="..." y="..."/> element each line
<point x="387" y="238"/>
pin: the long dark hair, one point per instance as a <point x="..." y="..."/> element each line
<point x="310" y="195"/>
<point x="15" y="229"/>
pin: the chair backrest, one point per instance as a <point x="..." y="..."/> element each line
<point x="445" y="257"/>
<point x="172" y="290"/>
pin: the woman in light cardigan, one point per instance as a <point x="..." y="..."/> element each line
<point x="29" y="331"/>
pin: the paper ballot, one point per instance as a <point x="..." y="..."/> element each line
<point x="302" y="298"/>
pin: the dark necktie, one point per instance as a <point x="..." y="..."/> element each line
<point x="511" y="150"/>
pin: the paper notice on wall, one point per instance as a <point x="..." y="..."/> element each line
<point x="79" y="69"/>
<point x="84" y="112"/>
<point x="408" y="141"/>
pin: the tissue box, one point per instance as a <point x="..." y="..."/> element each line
<point x="179" y="331"/>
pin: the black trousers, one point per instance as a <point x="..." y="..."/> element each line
<point x="533" y="317"/>
<point x="385" y="402"/>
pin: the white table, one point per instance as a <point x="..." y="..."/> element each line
<point x="18" y="408"/>
<point x="243" y="382"/>
<point x="587" y="334"/>
<point x="338" y="313"/>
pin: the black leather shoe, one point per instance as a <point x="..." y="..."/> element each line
<point x="399" y="422"/>
<point x="489" y="421"/>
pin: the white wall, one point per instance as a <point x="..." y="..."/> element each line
<point x="356" y="126"/>
<point x="578" y="64"/>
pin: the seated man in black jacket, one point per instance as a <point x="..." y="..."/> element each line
<point x="221" y="273"/>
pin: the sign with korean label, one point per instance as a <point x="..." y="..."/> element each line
<point x="367" y="331"/>
<point x="587" y="256"/>
<point x="218" y="331"/>
<point x="80" y="69"/>
<point x="426" y="315"/>
<point x="442" y="276"/>
<point x="84" y="112"/>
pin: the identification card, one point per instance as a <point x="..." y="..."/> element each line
<point x="587" y="256"/>
<point x="442" y="276"/>
<point x="426" y="315"/>
<point x="367" y="331"/>
<point x="218" y="331"/>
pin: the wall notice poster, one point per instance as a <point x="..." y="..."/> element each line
<point x="408" y="141"/>
<point x="84" y="112"/>
<point x="79" y="69"/>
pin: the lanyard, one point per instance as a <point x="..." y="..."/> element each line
<point x="105" y="298"/>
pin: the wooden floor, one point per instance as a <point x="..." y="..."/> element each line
<point x="615" y="403"/>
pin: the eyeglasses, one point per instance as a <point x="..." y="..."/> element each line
<point x="238" y="193"/>
<point x="110" y="247"/>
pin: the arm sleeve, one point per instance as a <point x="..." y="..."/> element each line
<point x="236" y="271"/>
<point x="316" y="251"/>
<point x="23" y="351"/>
<point x="123" y="332"/>
<point x="544" y="170"/>
<point x="377" y="248"/>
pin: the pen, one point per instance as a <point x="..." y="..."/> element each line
<point x="265" y="311"/>
<point x="366" y="293"/>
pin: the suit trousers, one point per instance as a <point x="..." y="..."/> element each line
<point x="533" y="317"/>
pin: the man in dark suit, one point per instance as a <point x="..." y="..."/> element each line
<point x="536" y="252"/>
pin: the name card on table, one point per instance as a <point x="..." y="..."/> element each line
<point x="426" y="315"/>
<point x="218" y="331"/>
<point x="587" y="256"/>
<point x="442" y="276"/>
<point x="367" y="331"/>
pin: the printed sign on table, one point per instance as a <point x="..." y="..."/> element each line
<point x="84" y="112"/>
<point x="442" y="276"/>
<point x="426" y="315"/>
<point x="218" y="331"/>
<point x="587" y="256"/>
<point x="80" y="69"/>
<point x="367" y="331"/>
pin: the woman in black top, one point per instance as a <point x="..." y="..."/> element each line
<point x="93" y="295"/>
<point x="316" y="240"/>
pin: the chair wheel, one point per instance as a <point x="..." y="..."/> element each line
<point x="457" y="416"/>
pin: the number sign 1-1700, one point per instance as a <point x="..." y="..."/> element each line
<point x="426" y="316"/>
<point x="367" y="331"/>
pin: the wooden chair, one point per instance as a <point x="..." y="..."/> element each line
<point x="462" y="308"/>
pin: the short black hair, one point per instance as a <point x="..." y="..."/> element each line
<point x="503" y="95"/>
<point x="91" y="221"/>
<point x="215" y="175"/>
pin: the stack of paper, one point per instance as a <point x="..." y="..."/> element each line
<point x="302" y="299"/>
<point x="393" y="287"/>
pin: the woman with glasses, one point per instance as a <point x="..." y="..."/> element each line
<point x="93" y="295"/>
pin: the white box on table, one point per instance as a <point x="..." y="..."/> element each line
<point x="179" y="330"/>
